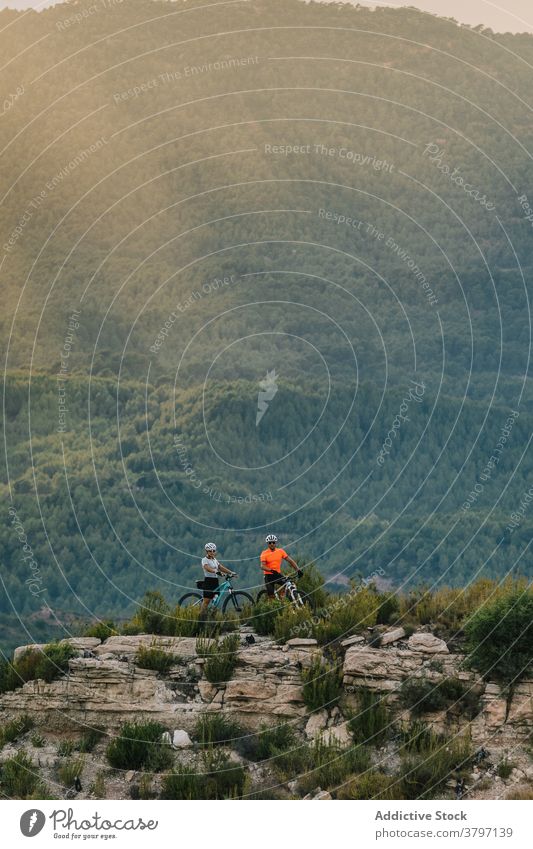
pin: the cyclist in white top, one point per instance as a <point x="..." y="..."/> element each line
<point x="212" y="568"/>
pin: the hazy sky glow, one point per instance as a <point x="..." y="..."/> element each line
<point x="501" y="15"/>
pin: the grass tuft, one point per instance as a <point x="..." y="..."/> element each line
<point x="322" y="684"/>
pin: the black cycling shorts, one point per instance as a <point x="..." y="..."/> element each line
<point x="271" y="579"/>
<point x="210" y="585"/>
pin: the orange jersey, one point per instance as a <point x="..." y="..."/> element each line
<point x="271" y="560"/>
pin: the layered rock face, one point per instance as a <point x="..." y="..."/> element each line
<point x="425" y="657"/>
<point x="104" y="685"/>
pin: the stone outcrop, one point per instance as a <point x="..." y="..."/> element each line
<point x="81" y="644"/>
<point x="179" y="739"/>
<point x="392" y="636"/>
<point x="183" y="647"/>
<point x="385" y="669"/>
<point x="316" y="723"/>
<point x="109" y="688"/>
<point x="427" y="643"/>
<point x="105" y="686"/>
<point x="503" y="717"/>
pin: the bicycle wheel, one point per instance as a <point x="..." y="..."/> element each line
<point x="190" y="600"/>
<point x="236" y="601"/>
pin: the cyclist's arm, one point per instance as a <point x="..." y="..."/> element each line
<point x="291" y="562"/>
<point x="264" y="566"/>
<point x="224" y="570"/>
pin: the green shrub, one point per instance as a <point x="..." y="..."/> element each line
<point x="182" y="783"/>
<point x="205" y="646"/>
<point x="131" y="629"/>
<point x="90" y="738"/>
<point x="218" y="778"/>
<point x="419" y="737"/>
<point x="101" y="630"/>
<point x="466" y="697"/>
<point x="232" y="621"/>
<point x="388" y="612"/>
<point x="224" y="778"/>
<point x="322" y="684"/>
<point x="190" y="622"/>
<point x="37" y="741"/>
<point x="144" y="789"/>
<point x="54" y="661"/>
<point x="421" y="695"/>
<point x="65" y="748"/>
<point x="185" y="621"/>
<point x="154" y="615"/>
<point x="220" y="657"/>
<point x="505" y="768"/>
<point x="264" y="615"/>
<point x="371" y="785"/>
<point x="6" y="671"/>
<point x="311" y="587"/>
<point x="14" y="729"/>
<point x="500" y="636"/>
<point x="139" y="746"/>
<point x="69" y="771"/>
<point x="268" y="742"/>
<point x="293" y="763"/>
<point x="450" y="607"/>
<point x="160" y="758"/>
<point x="155" y="658"/>
<point x="215" y="729"/>
<point x="98" y="788"/>
<point x="423" y="775"/>
<point x="371" y="722"/>
<point x="20" y="777"/>
<point x="47" y="665"/>
<point x="293" y="622"/>
<point x="271" y="794"/>
<point x="347" y="615"/>
<point x="331" y="765"/>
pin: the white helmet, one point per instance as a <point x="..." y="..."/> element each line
<point x="210" y="546"/>
<point x="271" y="538"/>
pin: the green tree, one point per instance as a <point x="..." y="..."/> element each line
<point x="500" y="637"/>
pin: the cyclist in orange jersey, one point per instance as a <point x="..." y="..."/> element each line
<point x="271" y="559"/>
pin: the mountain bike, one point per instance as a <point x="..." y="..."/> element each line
<point x="225" y="598"/>
<point x="285" y="589"/>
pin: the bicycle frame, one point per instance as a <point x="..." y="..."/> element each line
<point x="286" y="590"/>
<point x="224" y="589"/>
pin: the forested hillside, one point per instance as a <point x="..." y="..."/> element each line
<point x="199" y="199"/>
<point x="128" y="507"/>
<point x="184" y="187"/>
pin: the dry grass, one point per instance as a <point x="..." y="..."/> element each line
<point x="524" y="793"/>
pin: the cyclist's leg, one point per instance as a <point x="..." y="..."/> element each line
<point x="270" y="584"/>
<point x="209" y="592"/>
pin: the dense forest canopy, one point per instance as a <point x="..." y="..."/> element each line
<point x="320" y="213"/>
